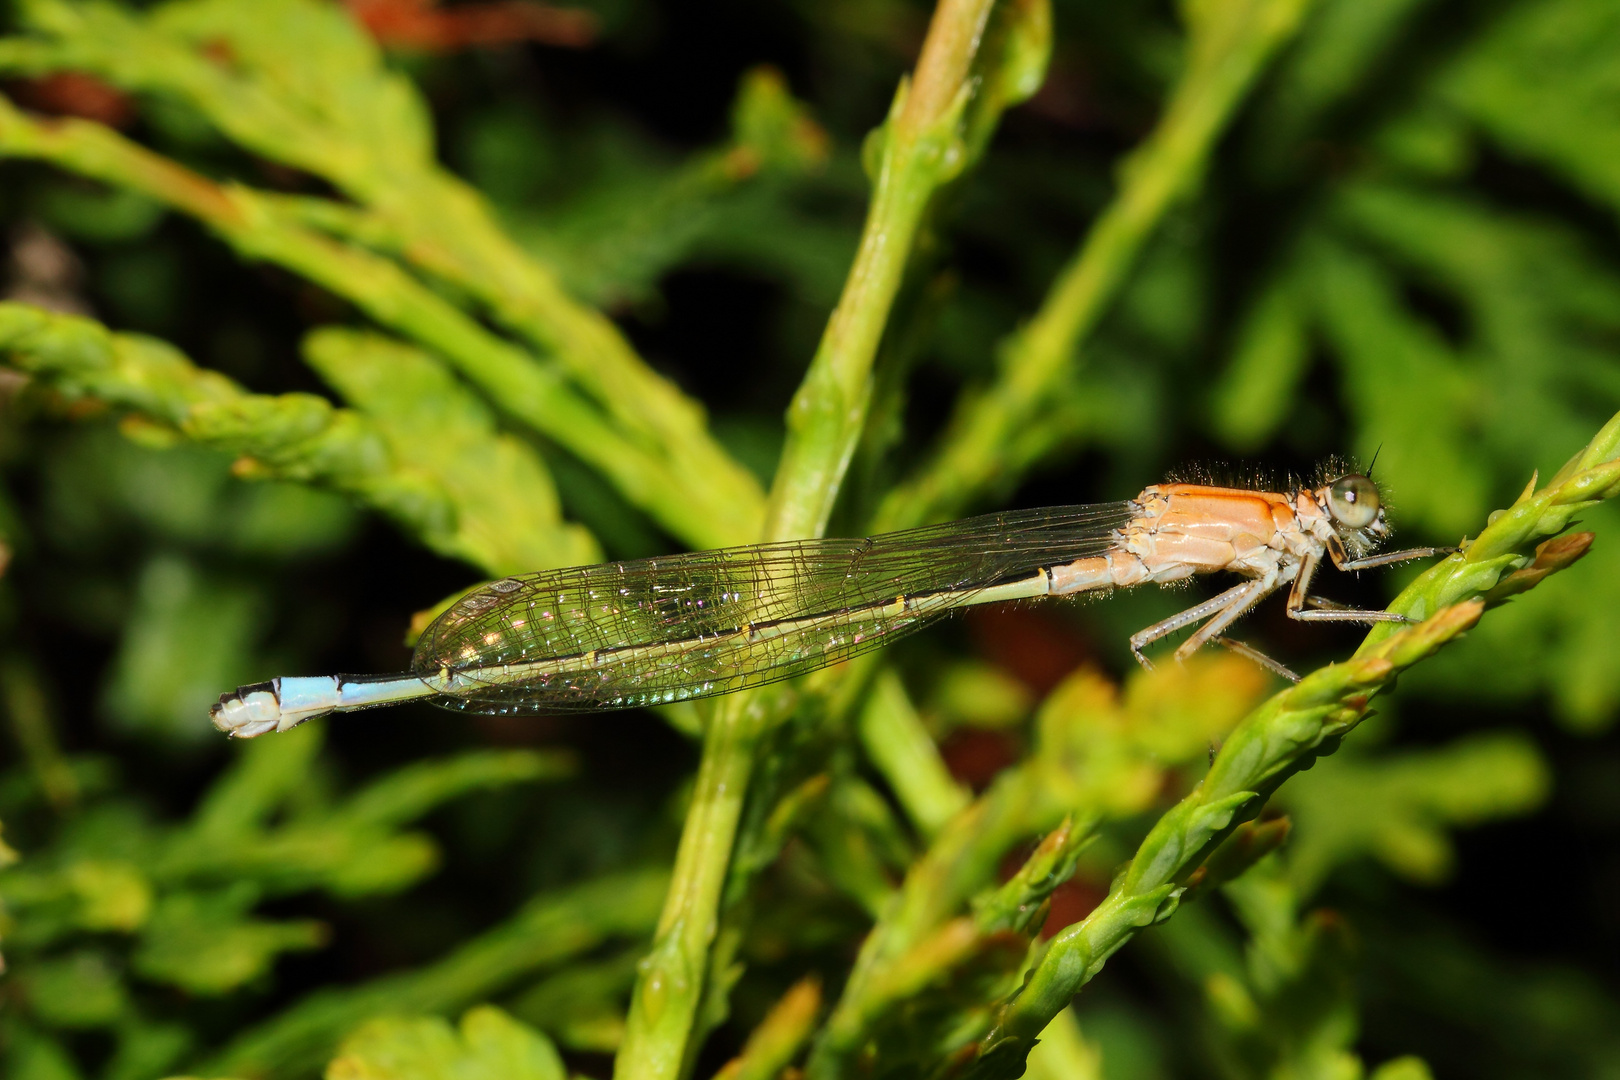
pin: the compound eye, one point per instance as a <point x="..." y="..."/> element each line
<point x="1353" y="501"/>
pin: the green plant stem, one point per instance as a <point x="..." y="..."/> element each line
<point x="552" y="929"/>
<point x="1287" y="733"/>
<point x="1281" y="737"/>
<point x="957" y="864"/>
<point x="1498" y="561"/>
<point x="952" y="956"/>
<point x="1064" y="1053"/>
<point x="663" y="422"/>
<point x="900" y="747"/>
<point x="428" y="215"/>
<point x="24" y="701"/>
<point x="303" y="438"/>
<point x="921" y="151"/>
<point x="467" y="248"/>
<point x="664" y="1005"/>
<point x="773" y="1044"/>
<point x="1099" y="755"/>
<point x="533" y="393"/>
<point x="985" y="949"/>
<point x="999" y="433"/>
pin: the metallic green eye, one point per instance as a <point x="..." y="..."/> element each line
<point x="1353" y="501"/>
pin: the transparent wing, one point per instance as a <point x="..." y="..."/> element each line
<point x="650" y="631"/>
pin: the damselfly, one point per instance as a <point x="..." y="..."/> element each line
<point x="652" y="631"/>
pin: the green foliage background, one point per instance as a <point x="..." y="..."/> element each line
<point x="318" y="335"/>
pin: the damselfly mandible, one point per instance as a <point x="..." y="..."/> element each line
<point x="651" y="631"/>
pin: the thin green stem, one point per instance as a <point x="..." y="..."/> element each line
<point x="922" y="149"/>
<point x="553" y="928"/>
<point x="1064" y="1053"/>
<point x="362" y="128"/>
<point x="1281" y="737"/>
<point x="664" y="1005"/>
<point x="533" y="393"/>
<point x="1099" y="755"/>
<point x="31" y="725"/>
<point x="997" y="434"/>
<point x="465" y="247"/>
<point x="1502" y="559"/>
<point x="479" y="495"/>
<point x="985" y="949"/>
<point x="1290" y="731"/>
<point x="900" y="747"/>
<point x="773" y="1044"/>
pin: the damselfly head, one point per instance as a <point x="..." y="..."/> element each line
<point x="1357" y="509"/>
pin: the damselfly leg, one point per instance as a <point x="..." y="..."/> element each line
<point x="1223" y="610"/>
<point x="1220" y="611"/>
<point x="1307" y="608"/>
<point x="1390" y="558"/>
<point x="1248" y="652"/>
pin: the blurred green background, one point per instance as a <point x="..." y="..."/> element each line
<point x="1403" y="240"/>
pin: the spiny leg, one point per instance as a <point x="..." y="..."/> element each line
<point x="1143" y="638"/>
<point x="1338" y="613"/>
<point x="1322" y="603"/>
<point x="1250" y="595"/>
<point x="1326" y="610"/>
<point x="1389" y="558"/>
<point x="1249" y="652"/>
